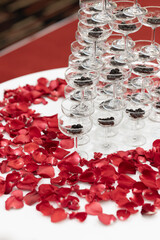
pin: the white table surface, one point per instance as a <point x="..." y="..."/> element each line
<point x="29" y="224"/>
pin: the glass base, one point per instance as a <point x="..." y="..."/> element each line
<point x="89" y="51"/>
<point x="137" y="82"/>
<point x="108" y="148"/>
<point x="141" y="97"/>
<point x="92" y="65"/>
<point x="102" y="17"/>
<point x="126" y="57"/>
<point x="135" y="140"/>
<point x="109" y="5"/>
<point x="81" y="110"/>
<point x="135" y="10"/>
<point x="114" y="104"/>
<point x="150" y="50"/>
<point x="83" y="154"/>
<point x="120" y="43"/>
<point x="154" y="116"/>
<point x="130" y="124"/>
<point x="83" y="140"/>
<point x="108" y="89"/>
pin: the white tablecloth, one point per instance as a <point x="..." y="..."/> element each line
<point x="29" y="224"/>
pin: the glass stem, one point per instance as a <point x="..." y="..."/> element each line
<point x="153" y="36"/>
<point x="135" y="2"/>
<point x="82" y="98"/>
<point x="106" y="133"/>
<point x="75" y="144"/>
<point x="126" y="45"/>
<point x="94" y="52"/>
<point x="107" y="4"/>
<point x="114" y="90"/>
<point x="103" y="5"/>
<point x="143" y="86"/>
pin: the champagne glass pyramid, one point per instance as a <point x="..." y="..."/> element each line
<point x="135" y="10"/>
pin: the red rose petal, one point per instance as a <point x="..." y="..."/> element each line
<point x="32" y="197"/>
<point x="2" y="186"/>
<point x="16" y="164"/>
<point x="60" y="153"/>
<point x="81" y="216"/>
<point x="46" y="171"/>
<point x="127" y="167"/>
<point x="22" y="139"/>
<point x="93" y="208"/>
<point x="16" y="124"/>
<point x="45" y="208"/>
<point x="157" y="203"/>
<point x="116" y="160"/>
<point x="72" y="158"/>
<point x="34" y="132"/>
<point x="148" y="209"/>
<point x="67" y="143"/>
<point x="156" y="144"/>
<point x="40" y="155"/>
<point x="58" y="215"/>
<point x="125" y="181"/>
<point x="106" y="219"/>
<point x="12" y="202"/>
<point x="151" y="194"/>
<point x="123" y="214"/>
<point x="30" y="147"/>
<point x="138" y="199"/>
<point x="18" y="194"/>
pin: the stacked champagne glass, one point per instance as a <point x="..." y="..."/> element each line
<point x="110" y="74"/>
<point x="82" y="75"/>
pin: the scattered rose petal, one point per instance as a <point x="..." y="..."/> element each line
<point x="30" y="147"/>
<point x="106" y="219"/>
<point x="45" y="208"/>
<point x="67" y="143"/>
<point x="32" y="197"/>
<point x="46" y="171"/>
<point x="148" y="209"/>
<point x="123" y="214"/>
<point x="81" y="216"/>
<point x="93" y="208"/>
<point x="58" y="215"/>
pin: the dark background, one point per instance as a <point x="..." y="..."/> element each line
<point x="22" y="18"/>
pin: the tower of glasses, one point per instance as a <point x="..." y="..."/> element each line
<point x="110" y="75"/>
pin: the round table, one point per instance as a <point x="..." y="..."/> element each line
<point x="29" y="224"/>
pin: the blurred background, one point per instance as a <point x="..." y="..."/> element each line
<point x="22" y="18"/>
<point x="36" y="35"/>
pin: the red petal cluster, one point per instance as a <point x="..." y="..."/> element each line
<point x="36" y="150"/>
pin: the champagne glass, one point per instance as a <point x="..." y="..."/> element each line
<point x="151" y="19"/>
<point x="126" y="27"/>
<point x="136" y="112"/>
<point x="81" y="79"/>
<point x="155" y="97"/>
<point x="135" y="10"/>
<point x="76" y="63"/>
<point x="96" y="6"/>
<point x="115" y="76"/>
<point x="76" y="109"/>
<point x="137" y="81"/>
<point x="118" y="13"/>
<point x="96" y="35"/>
<point x="75" y="94"/>
<point x="115" y="44"/>
<point x="75" y="127"/>
<point x="104" y="16"/>
<point x="108" y="121"/>
<point x="144" y="70"/>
